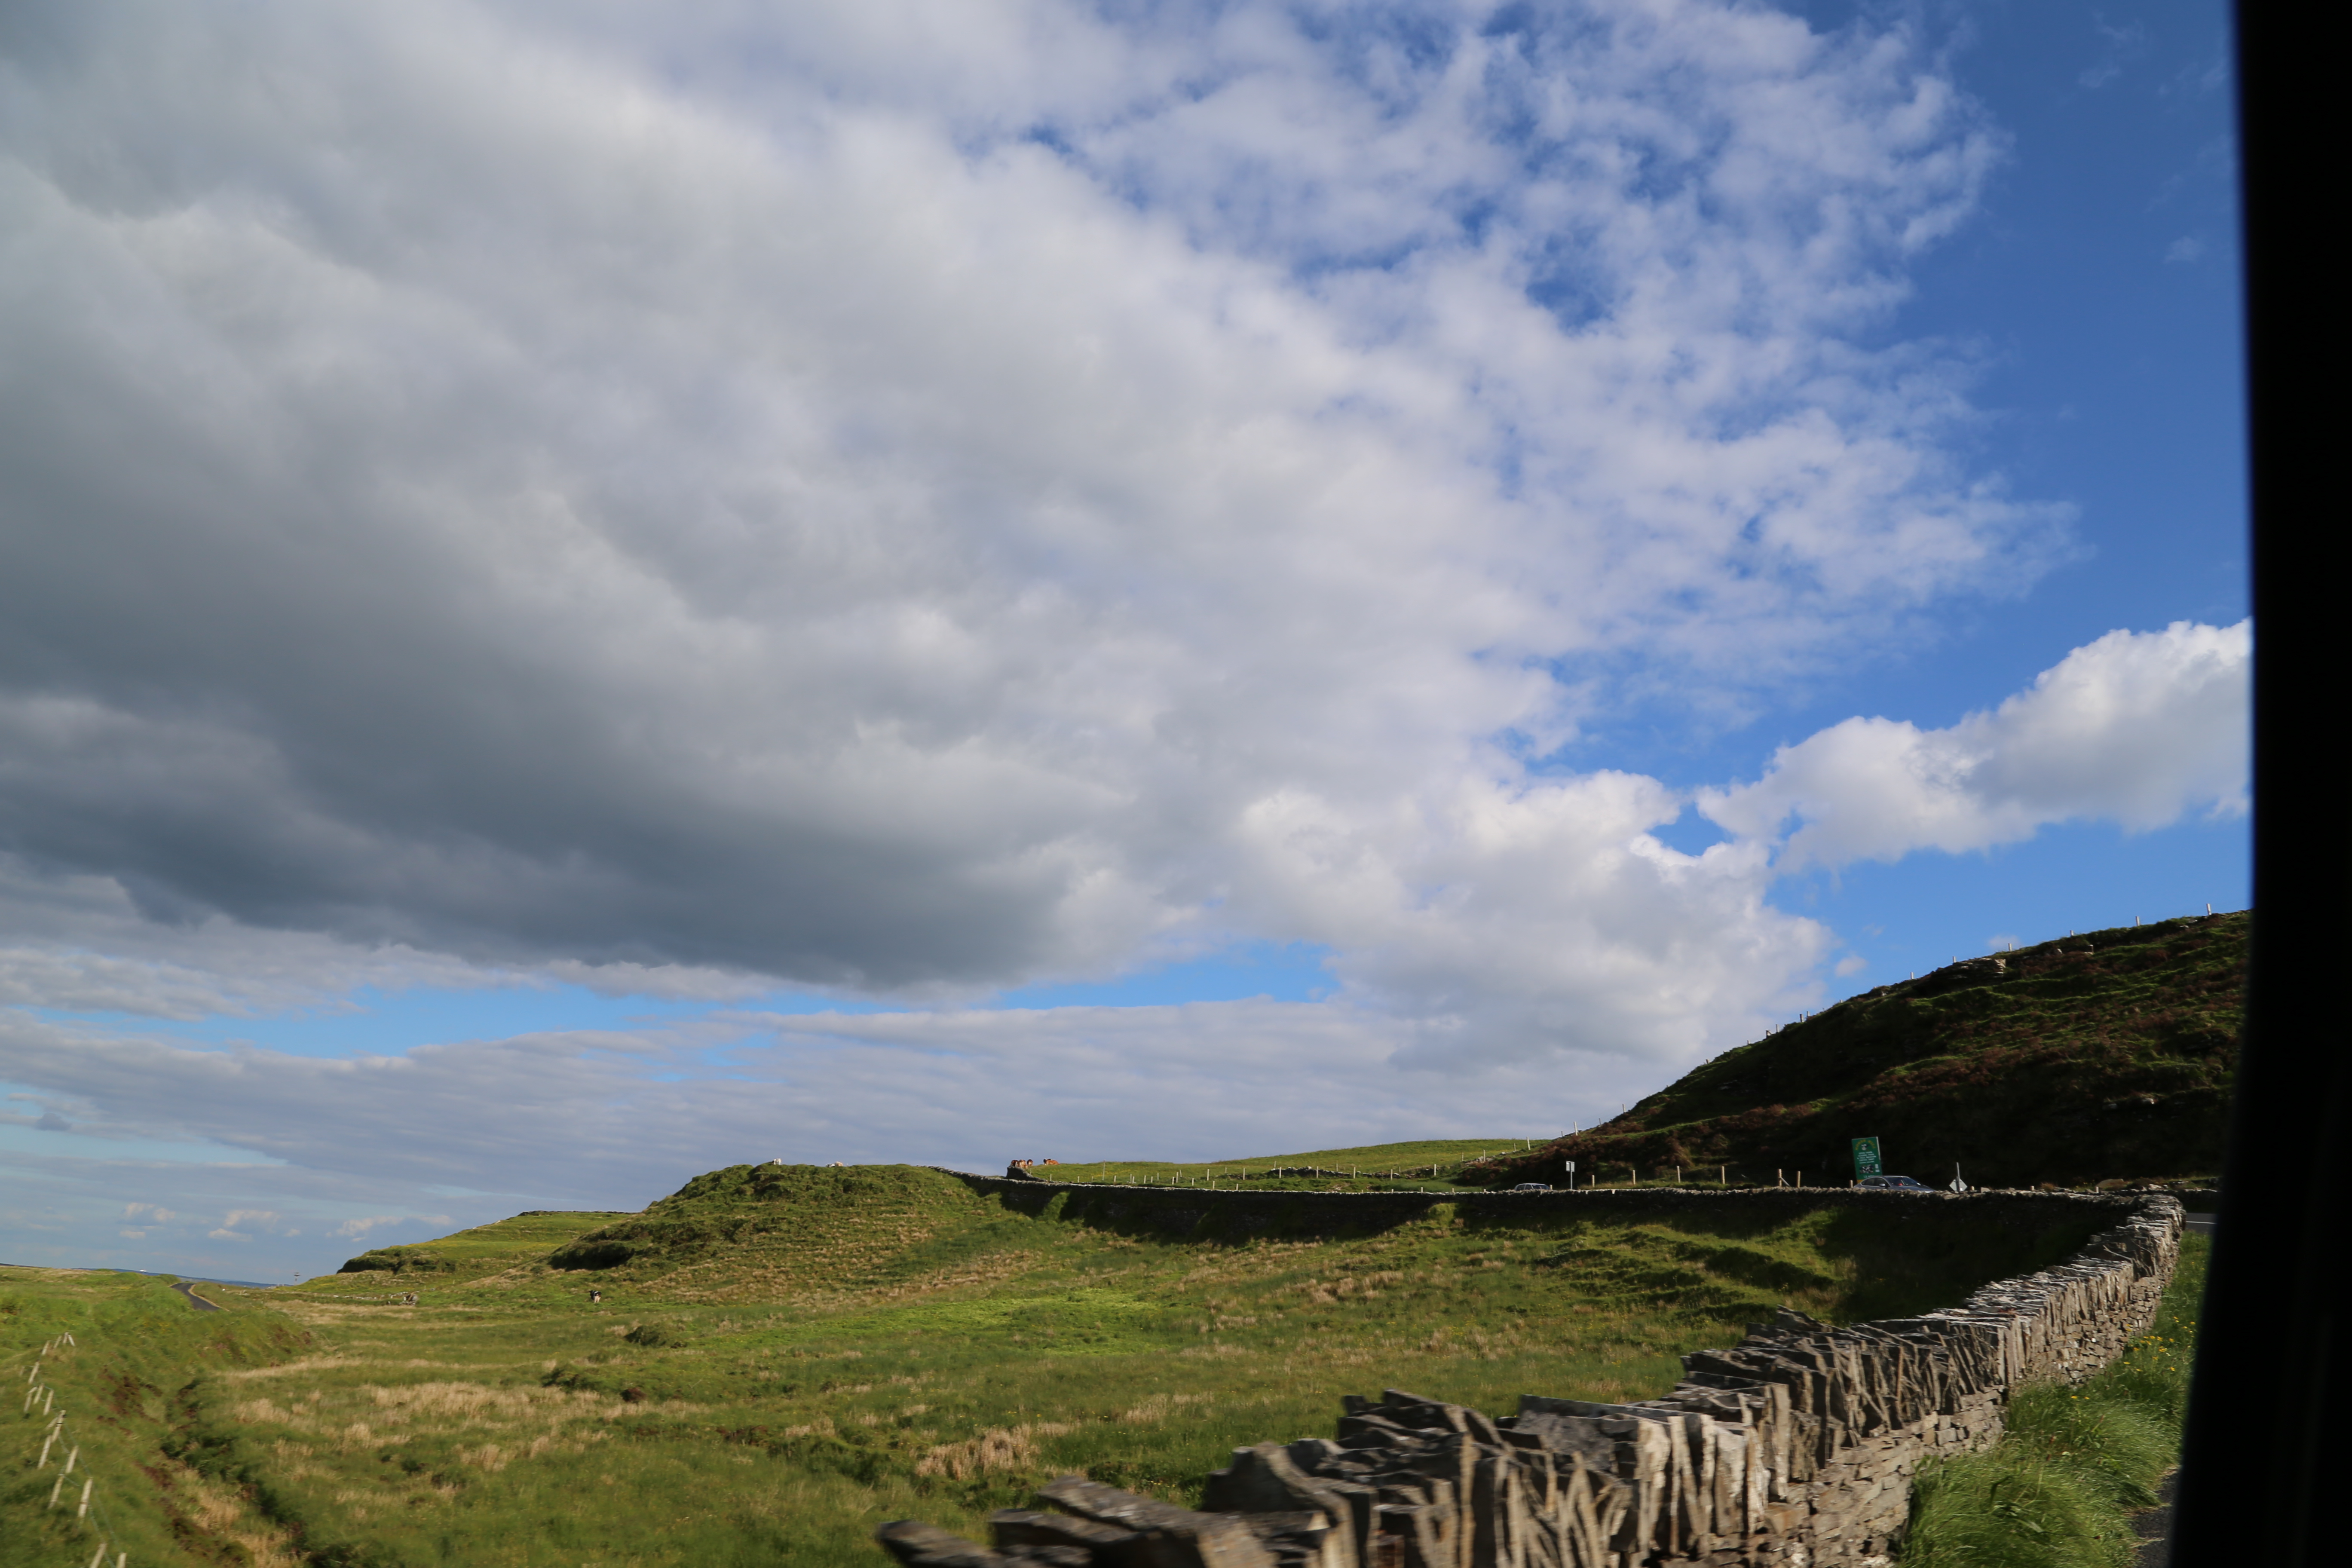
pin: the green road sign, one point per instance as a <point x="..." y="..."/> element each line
<point x="1866" y="1158"/>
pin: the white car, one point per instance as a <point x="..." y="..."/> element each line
<point x="1530" y="1187"/>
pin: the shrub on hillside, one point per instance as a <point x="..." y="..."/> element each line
<point x="398" y="1260"/>
<point x="592" y="1251"/>
<point x="656" y="1336"/>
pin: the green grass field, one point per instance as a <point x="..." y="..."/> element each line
<point x="786" y="1356"/>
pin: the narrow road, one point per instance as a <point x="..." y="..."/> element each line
<point x="198" y="1302"/>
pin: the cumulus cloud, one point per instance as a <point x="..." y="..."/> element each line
<point x="910" y="528"/>
<point x="238" y="1224"/>
<point x="1533" y="919"/>
<point x="2138" y="727"/>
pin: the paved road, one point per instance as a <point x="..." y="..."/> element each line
<point x="198" y="1302"/>
<point x="2203" y="1222"/>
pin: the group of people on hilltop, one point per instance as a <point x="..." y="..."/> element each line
<point x="1033" y="1164"/>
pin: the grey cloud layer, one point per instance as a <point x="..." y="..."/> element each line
<point x="506" y="481"/>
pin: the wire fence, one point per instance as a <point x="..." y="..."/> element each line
<point x="1238" y="1174"/>
<point x="1590" y="1175"/>
<point x="60" y="1440"/>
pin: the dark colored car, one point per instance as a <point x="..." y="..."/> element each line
<point x="1893" y="1184"/>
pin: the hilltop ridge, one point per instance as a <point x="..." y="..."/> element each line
<point x="2100" y="1056"/>
<point x="480" y="1251"/>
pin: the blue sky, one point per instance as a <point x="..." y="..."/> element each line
<point x="936" y="583"/>
<point x="2098" y="292"/>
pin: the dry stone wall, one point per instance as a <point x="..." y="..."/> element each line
<point x="1795" y="1446"/>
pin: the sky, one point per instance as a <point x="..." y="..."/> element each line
<point x="589" y="593"/>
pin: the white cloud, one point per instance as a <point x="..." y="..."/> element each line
<point x="2138" y="728"/>
<point x="2121" y="45"/>
<point x="1533" y="919"/>
<point x="360" y="1227"/>
<point x="905" y="527"/>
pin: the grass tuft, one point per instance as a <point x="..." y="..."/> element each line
<point x="2060" y="1490"/>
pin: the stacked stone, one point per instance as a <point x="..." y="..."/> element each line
<point x="2068" y="1322"/>
<point x="1099" y="1524"/>
<point x="1419" y="1483"/>
<point x="1869" y="1401"/>
<point x="1862" y="1405"/>
<point x="1797" y="1446"/>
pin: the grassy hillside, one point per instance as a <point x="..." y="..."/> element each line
<point x="786" y="1356"/>
<point x="1410" y="1166"/>
<point x="127" y="1389"/>
<point x="471" y="1255"/>
<point x="2108" y="1055"/>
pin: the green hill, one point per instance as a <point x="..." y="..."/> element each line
<point x="470" y="1255"/>
<point x="779" y="1232"/>
<point x="1415" y="1165"/>
<point x="783" y="1356"/>
<point x="2108" y="1055"/>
